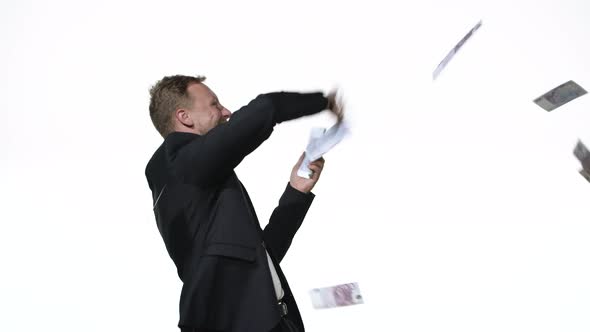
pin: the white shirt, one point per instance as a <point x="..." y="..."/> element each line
<point x="275" y="278"/>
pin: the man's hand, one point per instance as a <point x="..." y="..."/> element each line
<point x="335" y="105"/>
<point x="302" y="184"/>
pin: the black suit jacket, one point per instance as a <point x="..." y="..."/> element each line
<point x="208" y="223"/>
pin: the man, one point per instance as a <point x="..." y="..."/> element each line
<point x="229" y="266"/>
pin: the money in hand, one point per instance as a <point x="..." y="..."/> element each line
<point x="336" y="296"/>
<point x="320" y="142"/>
<point x="560" y="96"/>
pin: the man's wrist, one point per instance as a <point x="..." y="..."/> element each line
<point x="301" y="190"/>
<point x="330" y="103"/>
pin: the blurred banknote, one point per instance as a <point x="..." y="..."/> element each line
<point x="560" y="96"/>
<point x="455" y="49"/>
<point x="585" y="174"/>
<point x="320" y="142"/>
<point x="336" y="296"/>
<point x="581" y="151"/>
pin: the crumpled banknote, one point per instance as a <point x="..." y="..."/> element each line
<point x="336" y="296"/>
<point x="320" y="142"/>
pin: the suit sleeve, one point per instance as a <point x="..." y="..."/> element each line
<point x="286" y="220"/>
<point x="212" y="157"/>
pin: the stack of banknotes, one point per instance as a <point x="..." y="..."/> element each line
<point x="320" y="142"/>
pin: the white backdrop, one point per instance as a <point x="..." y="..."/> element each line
<point x="455" y="204"/>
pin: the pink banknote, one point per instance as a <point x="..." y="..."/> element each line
<point x="336" y="296"/>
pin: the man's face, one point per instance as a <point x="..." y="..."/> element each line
<point x="205" y="111"/>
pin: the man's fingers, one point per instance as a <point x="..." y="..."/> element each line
<point x="315" y="167"/>
<point x="336" y="104"/>
<point x="320" y="162"/>
<point x="316" y="171"/>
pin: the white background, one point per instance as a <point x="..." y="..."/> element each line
<point x="456" y="204"/>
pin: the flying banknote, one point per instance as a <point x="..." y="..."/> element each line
<point x="454" y="51"/>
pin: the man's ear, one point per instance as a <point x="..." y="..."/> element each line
<point x="183" y="116"/>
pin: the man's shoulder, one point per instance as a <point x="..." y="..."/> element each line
<point x="154" y="159"/>
<point x="170" y="146"/>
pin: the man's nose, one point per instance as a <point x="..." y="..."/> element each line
<point x="225" y="113"/>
